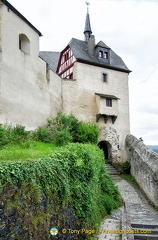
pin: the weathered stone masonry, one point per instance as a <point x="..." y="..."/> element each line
<point x="144" y="167"/>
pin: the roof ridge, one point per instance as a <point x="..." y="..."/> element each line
<point x="21" y="16"/>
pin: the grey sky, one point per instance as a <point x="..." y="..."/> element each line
<point x="129" y="27"/>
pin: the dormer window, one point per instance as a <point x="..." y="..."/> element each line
<point x="106" y="55"/>
<point x="103" y="54"/>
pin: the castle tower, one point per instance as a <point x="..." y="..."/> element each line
<point x="95" y="89"/>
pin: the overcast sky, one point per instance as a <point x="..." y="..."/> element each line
<point x="129" y="27"/>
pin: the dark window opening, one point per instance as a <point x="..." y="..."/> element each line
<point x="71" y="76"/>
<point x="104" y="77"/>
<point x="66" y="56"/>
<point x="103" y="54"/>
<point x="19" y="44"/>
<point x="109" y="102"/>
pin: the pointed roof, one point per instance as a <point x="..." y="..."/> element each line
<point x="87" y="30"/>
<point x="87" y="24"/>
<point x="102" y="44"/>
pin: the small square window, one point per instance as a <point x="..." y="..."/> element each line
<point x="104" y="77"/>
<point x="106" y="55"/>
<point x="109" y="102"/>
<point x="101" y="54"/>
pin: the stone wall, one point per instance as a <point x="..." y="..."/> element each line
<point x="144" y="167"/>
<point x="24" y="215"/>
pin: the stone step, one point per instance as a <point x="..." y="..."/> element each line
<point x="116" y="178"/>
<point x="153" y="225"/>
<point x="152" y="231"/>
<point x="109" y="165"/>
<point x="111" y="169"/>
<point x="113" y="173"/>
<point x="145" y="237"/>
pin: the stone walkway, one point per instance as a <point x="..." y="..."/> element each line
<point x="138" y="208"/>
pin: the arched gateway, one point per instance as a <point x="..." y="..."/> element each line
<point x="106" y="147"/>
<point x="108" y="142"/>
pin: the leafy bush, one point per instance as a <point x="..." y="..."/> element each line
<point x="64" y="129"/>
<point x="61" y="130"/>
<point x="62" y="137"/>
<point x="10" y="134"/>
<point x="3" y="136"/>
<point x="75" y="176"/>
<point x="87" y="132"/>
<point x="42" y="134"/>
<point x="126" y="166"/>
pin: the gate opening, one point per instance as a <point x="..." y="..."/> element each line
<point x="106" y="147"/>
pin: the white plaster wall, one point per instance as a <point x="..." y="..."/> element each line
<point x="55" y="99"/>
<point x="26" y="91"/>
<point x="79" y="98"/>
<point x="103" y="109"/>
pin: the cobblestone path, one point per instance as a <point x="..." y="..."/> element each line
<point x="138" y="207"/>
<point x="139" y="210"/>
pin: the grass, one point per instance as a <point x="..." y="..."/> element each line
<point x="129" y="178"/>
<point x="26" y="150"/>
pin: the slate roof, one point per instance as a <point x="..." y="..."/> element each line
<point x="87" y="24"/>
<point x="102" y="44"/>
<point x="51" y="58"/>
<point x="80" y="51"/>
<point x="107" y="96"/>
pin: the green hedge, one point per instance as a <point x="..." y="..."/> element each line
<point x="60" y="130"/>
<point x="64" y="129"/>
<point x="74" y="175"/>
<point x="9" y="134"/>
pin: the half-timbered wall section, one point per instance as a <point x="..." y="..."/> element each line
<point x="67" y="59"/>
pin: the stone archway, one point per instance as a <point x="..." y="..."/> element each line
<point x="106" y="147"/>
<point x="109" y="143"/>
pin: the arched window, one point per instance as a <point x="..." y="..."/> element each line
<point x="24" y="43"/>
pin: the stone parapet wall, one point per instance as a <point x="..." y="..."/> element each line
<point x="144" y="167"/>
